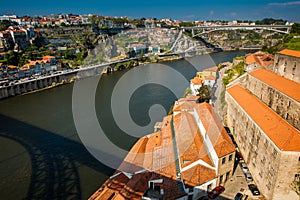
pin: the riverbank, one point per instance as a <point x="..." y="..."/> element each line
<point x="14" y="89"/>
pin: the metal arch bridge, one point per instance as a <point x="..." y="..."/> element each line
<point x="285" y="29"/>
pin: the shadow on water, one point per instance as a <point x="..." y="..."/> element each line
<point x="54" y="160"/>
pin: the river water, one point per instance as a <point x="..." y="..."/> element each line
<point x="42" y="156"/>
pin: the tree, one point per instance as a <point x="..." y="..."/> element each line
<point x="204" y="94"/>
<point x="295" y="28"/>
<point x="4" y="25"/>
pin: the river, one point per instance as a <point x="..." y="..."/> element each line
<point x="42" y="156"/>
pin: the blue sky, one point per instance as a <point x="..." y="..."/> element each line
<point x="183" y="10"/>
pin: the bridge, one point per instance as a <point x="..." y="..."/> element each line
<point x="285" y="29"/>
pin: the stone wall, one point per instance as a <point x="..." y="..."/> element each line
<point x="225" y="169"/>
<point x="265" y="161"/>
<point x="287" y="66"/>
<point x="283" y="105"/>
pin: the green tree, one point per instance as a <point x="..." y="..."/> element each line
<point x="295" y="28"/>
<point x="4" y="25"/>
<point x="204" y="94"/>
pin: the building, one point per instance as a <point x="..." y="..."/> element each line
<point x="195" y="85"/>
<point x="208" y="76"/>
<point x="287" y="64"/>
<point x="263" y="115"/>
<point x="190" y="154"/>
<point x="257" y="60"/>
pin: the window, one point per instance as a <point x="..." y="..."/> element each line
<point x="223" y="160"/>
<point x="209" y="187"/>
<point x="297" y="177"/>
<point x="272" y="171"/>
<point x="269" y="185"/>
<point x="275" y="152"/>
<point x="287" y="116"/>
<point x="230" y="157"/>
<point x="221" y="179"/>
<point x="266" y="143"/>
<point x="263" y="160"/>
<point x="227" y="176"/>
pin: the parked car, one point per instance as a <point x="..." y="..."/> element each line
<point x="238" y="196"/>
<point x="239" y="156"/>
<point x="244" y="167"/>
<point x="254" y="189"/>
<point x="216" y="192"/>
<point x="248" y="177"/>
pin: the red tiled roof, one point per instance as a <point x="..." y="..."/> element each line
<point x="284" y="85"/>
<point x="198" y="175"/>
<point x="210" y="78"/>
<point x="215" y="130"/>
<point x="189" y="141"/>
<point x="261" y="58"/>
<point x="289" y="52"/>
<point x="211" y="69"/>
<point x="196" y="81"/>
<point x="284" y="136"/>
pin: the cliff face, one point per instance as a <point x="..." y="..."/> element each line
<point x="242" y="39"/>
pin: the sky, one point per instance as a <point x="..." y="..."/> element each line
<point x="182" y="10"/>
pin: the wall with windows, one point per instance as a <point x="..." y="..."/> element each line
<point x="226" y="165"/>
<point x="287" y="66"/>
<point x="280" y="103"/>
<point x="267" y="164"/>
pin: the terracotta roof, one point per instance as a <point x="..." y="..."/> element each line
<point x="290" y="53"/>
<point x="189" y="141"/>
<point x="12" y="66"/>
<point x="211" y="69"/>
<point x="285" y="136"/>
<point x="48" y="57"/>
<point x="184" y="105"/>
<point x="215" y="130"/>
<point x="196" y="81"/>
<point x="210" y="78"/>
<point x="110" y="188"/>
<point x="261" y="58"/>
<point x="284" y="85"/>
<point x="198" y="175"/>
<point x="153" y="158"/>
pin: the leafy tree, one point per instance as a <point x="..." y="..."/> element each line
<point x="4" y="25"/>
<point x="13" y="58"/>
<point x="295" y="28"/>
<point x="204" y="94"/>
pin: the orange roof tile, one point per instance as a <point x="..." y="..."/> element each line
<point x="210" y="78"/>
<point x="12" y="66"/>
<point x="285" y="136"/>
<point x="189" y="141"/>
<point x="211" y="69"/>
<point x="215" y="130"/>
<point x="250" y="59"/>
<point x="284" y="85"/>
<point x="260" y="58"/>
<point x="289" y="52"/>
<point x="197" y="175"/>
<point x="48" y="57"/>
<point x="196" y="81"/>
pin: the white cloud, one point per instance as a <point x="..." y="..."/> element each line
<point x="211" y="13"/>
<point x="291" y="3"/>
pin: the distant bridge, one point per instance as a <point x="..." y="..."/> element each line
<point x="285" y="29"/>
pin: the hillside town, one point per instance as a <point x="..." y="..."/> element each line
<point x="234" y="134"/>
